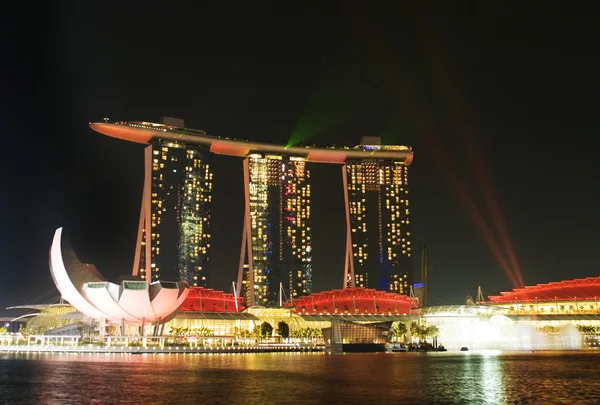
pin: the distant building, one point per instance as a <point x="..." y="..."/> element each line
<point x="378" y="246"/>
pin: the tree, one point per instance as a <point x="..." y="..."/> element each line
<point x="432" y="331"/>
<point x="550" y="329"/>
<point x="266" y="329"/>
<point x="3" y="331"/>
<point x="204" y="331"/>
<point x="283" y="330"/>
<point x="415" y="329"/>
<point x="242" y="333"/>
<point x="586" y="330"/>
<point x="398" y="331"/>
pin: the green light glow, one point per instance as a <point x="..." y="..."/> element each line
<point x="344" y="89"/>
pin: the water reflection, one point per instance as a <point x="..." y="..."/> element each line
<point x="487" y="377"/>
<point x="492" y="379"/>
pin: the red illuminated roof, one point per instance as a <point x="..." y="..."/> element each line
<point x="354" y="300"/>
<point x="144" y="132"/>
<point x="208" y="300"/>
<point x="581" y="289"/>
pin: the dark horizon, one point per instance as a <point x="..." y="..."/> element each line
<point x="499" y="104"/>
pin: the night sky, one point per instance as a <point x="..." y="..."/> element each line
<point x="493" y="99"/>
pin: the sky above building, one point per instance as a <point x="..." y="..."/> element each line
<point x="499" y="103"/>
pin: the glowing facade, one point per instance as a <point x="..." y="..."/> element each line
<point x="276" y="243"/>
<point x="356" y="300"/>
<point x="208" y="300"/>
<point x="378" y="245"/>
<point x="174" y="228"/>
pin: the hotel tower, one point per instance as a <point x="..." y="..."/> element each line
<point x="276" y="238"/>
<point x="378" y="246"/>
<point x="173" y="239"/>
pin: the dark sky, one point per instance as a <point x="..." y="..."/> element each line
<point x="505" y="95"/>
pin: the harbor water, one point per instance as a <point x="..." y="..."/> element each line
<point x="486" y="377"/>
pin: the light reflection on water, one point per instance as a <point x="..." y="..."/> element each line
<point x="488" y="377"/>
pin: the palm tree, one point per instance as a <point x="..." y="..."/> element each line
<point x="398" y="331"/>
<point x="431" y="331"/>
<point x="204" y="331"/>
<point x="415" y="330"/>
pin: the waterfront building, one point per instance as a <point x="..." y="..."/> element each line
<point x="547" y="316"/>
<point x="354" y="300"/>
<point x="378" y="246"/>
<point x="562" y="300"/>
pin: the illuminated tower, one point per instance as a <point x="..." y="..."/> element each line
<point x="378" y="249"/>
<point x="297" y="246"/>
<point x="174" y="227"/>
<point x="276" y="245"/>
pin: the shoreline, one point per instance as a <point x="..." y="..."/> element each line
<point x="160" y="350"/>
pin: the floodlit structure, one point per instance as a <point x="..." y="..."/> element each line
<point x="356" y="300"/>
<point x="130" y="301"/>
<point x="276" y="238"/>
<point x="209" y="300"/>
<point x="564" y="298"/>
<point x="484" y="327"/>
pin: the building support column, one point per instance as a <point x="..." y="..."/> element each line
<point x="240" y="278"/>
<point x="349" y="280"/>
<point x="247" y="240"/>
<point x="145" y="221"/>
<point x="102" y="328"/>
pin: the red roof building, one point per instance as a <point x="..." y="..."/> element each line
<point x="354" y="301"/>
<point x="583" y="289"/>
<point x="201" y="299"/>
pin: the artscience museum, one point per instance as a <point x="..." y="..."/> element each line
<point x="131" y="301"/>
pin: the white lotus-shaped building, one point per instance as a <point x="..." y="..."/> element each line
<point x="130" y="301"/>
